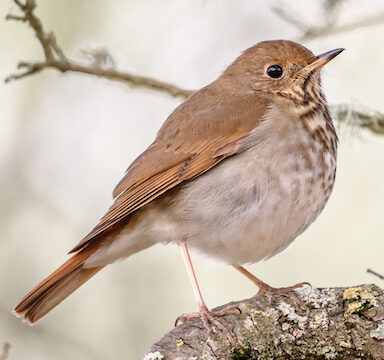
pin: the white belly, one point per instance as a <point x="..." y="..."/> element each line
<point x="249" y="208"/>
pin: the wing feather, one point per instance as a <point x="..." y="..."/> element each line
<point x="195" y="137"/>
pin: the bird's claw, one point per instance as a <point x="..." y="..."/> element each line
<point x="269" y="291"/>
<point x="209" y="318"/>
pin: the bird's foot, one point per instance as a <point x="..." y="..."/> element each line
<point x="209" y="319"/>
<point x="269" y="291"/>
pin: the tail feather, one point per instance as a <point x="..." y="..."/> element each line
<point x="56" y="287"/>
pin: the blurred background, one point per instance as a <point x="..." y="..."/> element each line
<point x="65" y="141"/>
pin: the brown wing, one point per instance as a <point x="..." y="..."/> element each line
<point x="196" y="136"/>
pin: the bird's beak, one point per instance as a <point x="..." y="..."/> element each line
<point x="321" y="60"/>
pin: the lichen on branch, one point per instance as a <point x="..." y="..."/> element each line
<point x="341" y="323"/>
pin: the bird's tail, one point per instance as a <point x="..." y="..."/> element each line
<point x="56" y="287"/>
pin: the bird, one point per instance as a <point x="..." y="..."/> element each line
<point x="236" y="172"/>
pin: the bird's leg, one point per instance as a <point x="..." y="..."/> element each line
<point x="269" y="291"/>
<point x="208" y="317"/>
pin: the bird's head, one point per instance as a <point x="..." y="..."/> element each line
<point x="280" y="70"/>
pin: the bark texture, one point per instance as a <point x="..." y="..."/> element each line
<point x="341" y="323"/>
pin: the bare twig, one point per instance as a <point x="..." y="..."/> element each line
<point x="5" y="353"/>
<point x="315" y="32"/>
<point x="330" y="27"/>
<point x="55" y="59"/>
<point x="381" y="277"/>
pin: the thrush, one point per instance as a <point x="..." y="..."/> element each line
<point x="237" y="172"/>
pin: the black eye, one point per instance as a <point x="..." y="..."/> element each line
<point x="275" y="71"/>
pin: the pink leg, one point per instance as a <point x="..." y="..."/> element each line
<point x="265" y="289"/>
<point x="208" y="317"/>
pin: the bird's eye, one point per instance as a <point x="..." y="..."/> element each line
<point x="275" y="71"/>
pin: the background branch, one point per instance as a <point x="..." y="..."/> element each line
<point x="342" y="323"/>
<point x="369" y="119"/>
<point x="55" y="59"/>
<point x="330" y="26"/>
<point x="315" y="32"/>
<point x="370" y="271"/>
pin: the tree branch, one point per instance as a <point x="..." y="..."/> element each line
<point x="342" y="323"/>
<point x="330" y="27"/>
<point x="370" y="271"/>
<point x="315" y="32"/>
<point x="56" y="59"/>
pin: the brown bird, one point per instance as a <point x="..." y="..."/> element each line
<point x="237" y="171"/>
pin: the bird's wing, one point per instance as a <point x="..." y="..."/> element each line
<point x="195" y="137"/>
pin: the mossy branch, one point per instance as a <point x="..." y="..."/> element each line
<point x="342" y="323"/>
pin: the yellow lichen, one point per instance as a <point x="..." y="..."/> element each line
<point x="283" y="338"/>
<point x="358" y="300"/>
<point x="262" y="313"/>
<point x="345" y="344"/>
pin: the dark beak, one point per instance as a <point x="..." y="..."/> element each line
<point x="321" y="60"/>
